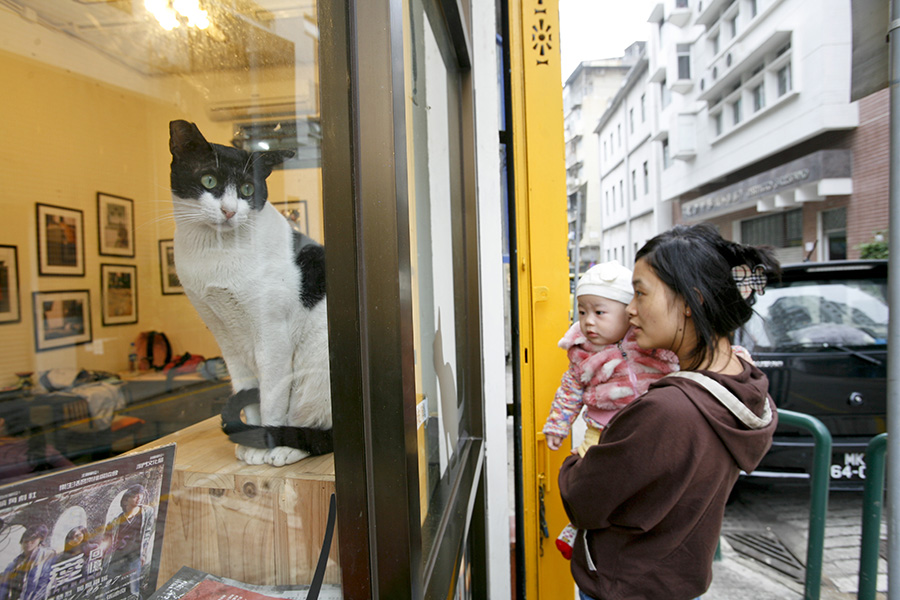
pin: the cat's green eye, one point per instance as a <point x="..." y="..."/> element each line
<point x="208" y="181"/>
<point x="247" y="190"/>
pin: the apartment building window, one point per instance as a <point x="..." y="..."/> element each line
<point x="619" y="134"/>
<point x="731" y="23"/>
<point x="633" y="185"/>
<point x="667" y="159"/>
<point x="781" y="230"/>
<point x="615" y="254"/>
<point x="683" y="52"/>
<point x="681" y="3"/>
<point x="834" y="229"/>
<point x="606" y="200"/>
<point x="759" y="97"/>
<point x="665" y="95"/>
<point x="643" y="108"/>
<point x="621" y="193"/>
<point x="754" y="9"/>
<point x="717" y="123"/>
<point x="610" y="142"/>
<point x="623" y="254"/>
<point x="646" y="178"/>
<point x="631" y="120"/>
<point x="736" y="111"/>
<point x="614" y="197"/>
<point x="714" y="43"/>
<point x="604" y="148"/>
<point x="784" y="80"/>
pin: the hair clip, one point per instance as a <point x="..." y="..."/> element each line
<point x="749" y="280"/>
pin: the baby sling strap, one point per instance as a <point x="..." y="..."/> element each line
<point x="729" y="400"/>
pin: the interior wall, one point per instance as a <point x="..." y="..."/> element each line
<point x="69" y="136"/>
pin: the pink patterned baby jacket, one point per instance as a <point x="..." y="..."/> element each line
<point x="604" y="379"/>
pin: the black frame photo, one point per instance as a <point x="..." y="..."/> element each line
<point x="296" y="212"/>
<point x="115" y="225"/>
<point x="167" y="275"/>
<point x="10" y="306"/>
<point x="60" y="235"/>
<point x="61" y="319"/>
<point x="118" y="292"/>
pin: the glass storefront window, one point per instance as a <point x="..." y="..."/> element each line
<point x="86" y="242"/>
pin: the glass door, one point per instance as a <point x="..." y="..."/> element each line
<point x="399" y="179"/>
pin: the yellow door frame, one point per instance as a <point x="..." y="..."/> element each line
<point x="543" y="276"/>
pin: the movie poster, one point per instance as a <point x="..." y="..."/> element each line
<point x="88" y="533"/>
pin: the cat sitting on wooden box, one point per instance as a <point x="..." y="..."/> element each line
<point x="260" y="288"/>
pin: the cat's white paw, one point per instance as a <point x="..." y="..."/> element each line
<point x="277" y="457"/>
<point x="251" y="456"/>
<point x="283" y="455"/>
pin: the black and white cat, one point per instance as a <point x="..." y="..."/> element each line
<point x="260" y="288"/>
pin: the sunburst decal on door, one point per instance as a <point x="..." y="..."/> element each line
<point x="542" y="35"/>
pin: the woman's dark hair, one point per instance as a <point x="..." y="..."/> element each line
<point x="695" y="262"/>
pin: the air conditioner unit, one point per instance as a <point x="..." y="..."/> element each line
<point x="255" y="108"/>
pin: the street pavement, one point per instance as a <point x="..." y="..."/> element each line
<point x="781" y="514"/>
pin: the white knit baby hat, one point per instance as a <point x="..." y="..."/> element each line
<point x="608" y="280"/>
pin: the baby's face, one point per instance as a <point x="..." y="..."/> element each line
<point x="603" y="321"/>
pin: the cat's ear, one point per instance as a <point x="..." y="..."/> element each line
<point x="185" y="139"/>
<point x="265" y="161"/>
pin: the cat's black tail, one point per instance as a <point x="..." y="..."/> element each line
<point x="314" y="441"/>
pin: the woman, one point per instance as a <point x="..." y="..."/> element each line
<point x="649" y="498"/>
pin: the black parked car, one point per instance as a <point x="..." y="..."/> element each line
<point x="821" y="337"/>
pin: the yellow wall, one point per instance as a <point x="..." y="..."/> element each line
<point x="67" y="137"/>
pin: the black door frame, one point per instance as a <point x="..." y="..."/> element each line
<point x="366" y="219"/>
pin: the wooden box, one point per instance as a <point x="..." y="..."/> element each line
<point x="254" y="523"/>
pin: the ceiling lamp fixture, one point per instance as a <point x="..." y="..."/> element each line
<point x="171" y="15"/>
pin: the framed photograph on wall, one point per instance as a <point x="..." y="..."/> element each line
<point x="115" y="225"/>
<point x="296" y="213"/>
<point x="10" y="310"/>
<point x="60" y="234"/>
<point x="61" y="319"/>
<point x="118" y="287"/>
<point x="169" y="278"/>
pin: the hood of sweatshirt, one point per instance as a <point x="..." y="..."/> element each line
<point x="746" y="443"/>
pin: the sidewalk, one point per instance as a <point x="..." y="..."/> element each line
<point x="784" y="514"/>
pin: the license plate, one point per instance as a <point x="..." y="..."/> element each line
<point x="848" y="466"/>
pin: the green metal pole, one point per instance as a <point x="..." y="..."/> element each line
<point x="818" y="502"/>
<point x="873" y="498"/>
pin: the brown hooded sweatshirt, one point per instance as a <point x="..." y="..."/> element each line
<point x="649" y="498"/>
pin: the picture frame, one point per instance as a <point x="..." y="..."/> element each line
<point x="115" y="225"/>
<point x="296" y="212"/>
<point x="167" y="274"/>
<point x="61" y="319"/>
<point x="10" y="307"/>
<point x="119" y="298"/>
<point x="60" y="235"/>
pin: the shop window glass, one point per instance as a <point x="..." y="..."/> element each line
<point x="88" y="213"/>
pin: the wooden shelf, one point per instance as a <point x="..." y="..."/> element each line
<point x="254" y="523"/>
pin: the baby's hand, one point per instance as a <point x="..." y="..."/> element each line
<point x="553" y="441"/>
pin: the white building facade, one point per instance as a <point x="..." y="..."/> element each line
<point x="586" y="96"/>
<point x="756" y="124"/>
<point x="739" y="114"/>
<point x="629" y="168"/>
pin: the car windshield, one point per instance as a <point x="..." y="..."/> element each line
<point x="833" y="313"/>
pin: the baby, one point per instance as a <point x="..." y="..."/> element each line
<point x="607" y="370"/>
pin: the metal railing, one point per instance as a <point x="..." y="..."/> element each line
<point x="818" y="503"/>
<point x="873" y="498"/>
